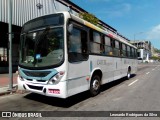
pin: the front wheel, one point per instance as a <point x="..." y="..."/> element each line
<point x="95" y="85"/>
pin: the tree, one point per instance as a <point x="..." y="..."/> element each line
<point x="155" y="58"/>
<point x="157" y="50"/>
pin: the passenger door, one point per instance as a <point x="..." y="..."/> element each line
<point x="78" y="67"/>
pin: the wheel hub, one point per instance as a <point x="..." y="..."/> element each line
<point x="95" y="84"/>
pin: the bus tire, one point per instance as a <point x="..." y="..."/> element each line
<point x="95" y="85"/>
<point x="129" y="73"/>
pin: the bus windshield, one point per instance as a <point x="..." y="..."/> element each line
<point x="44" y="21"/>
<point x="42" y="48"/>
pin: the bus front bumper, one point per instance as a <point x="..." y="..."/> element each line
<point x="58" y="90"/>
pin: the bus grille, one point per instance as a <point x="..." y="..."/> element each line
<point x="41" y="80"/>
<point x="36" y="74"/>
<point x="35" y="87"/>
<point x="36" y="80"/>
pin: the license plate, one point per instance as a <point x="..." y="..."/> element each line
<point x="54" y="91"/>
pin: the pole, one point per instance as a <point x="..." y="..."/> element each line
<point x="10" y="45"/>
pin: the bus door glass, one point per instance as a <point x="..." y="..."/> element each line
<point x="77" y="56"/>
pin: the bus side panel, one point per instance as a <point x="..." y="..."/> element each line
<point x="125" y="65"/>
<point x="105" y="64"/>
<point x="134" y="66"/>
<point x="78" y="72"/>
<point x="118" y="68"/>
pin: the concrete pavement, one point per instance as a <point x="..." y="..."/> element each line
<point x="121" y="95"/>
<point x="4" y="83"/>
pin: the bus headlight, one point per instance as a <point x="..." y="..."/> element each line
<point x="56" y="78"/>
<point x="21" y="78"/>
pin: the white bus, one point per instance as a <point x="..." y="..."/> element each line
<point x="62" y="55"/>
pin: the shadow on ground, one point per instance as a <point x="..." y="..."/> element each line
<point x="66" y="103"/>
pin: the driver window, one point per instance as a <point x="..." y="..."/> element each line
<point x="75" y="41"/>
<point x="77" y="45"/>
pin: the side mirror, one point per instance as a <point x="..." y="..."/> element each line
<point x="70" y="28"/>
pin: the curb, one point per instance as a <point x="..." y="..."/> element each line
<point x="7" y="92"/>
<point x="15" y="90"/>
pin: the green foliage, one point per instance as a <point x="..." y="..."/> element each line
<point x="155" y="58"/>
<point x="157" y="50"/>
<point x="89" y="17"/>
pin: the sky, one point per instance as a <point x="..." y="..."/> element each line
<point x="134" y="19"/>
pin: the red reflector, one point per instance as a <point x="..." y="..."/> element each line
<point x="110" y="35"/>
<point x="61" y="72"/>
<point x="87" y="78"/>
<point x="55" y="91"/>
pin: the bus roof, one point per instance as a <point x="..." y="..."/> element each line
<point x="106" y="32"/>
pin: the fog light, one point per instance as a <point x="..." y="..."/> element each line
<point x="44" y="90"/>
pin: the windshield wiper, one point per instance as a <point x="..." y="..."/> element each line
<point x="37" y="41"/>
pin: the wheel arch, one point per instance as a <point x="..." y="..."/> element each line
<point x="129" y="68"/>
<point x="95" y="82"/>
<point x="98" y="72"/>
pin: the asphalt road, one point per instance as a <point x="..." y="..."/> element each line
<point x="140" y="93"/>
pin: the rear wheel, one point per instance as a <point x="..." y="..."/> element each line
<point x="129" y="74"/>
<point x="95" y="85"/>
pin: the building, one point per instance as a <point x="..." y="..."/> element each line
<point x="22" y="11"/>
<point x="25" y="10"/>
<point x="144" y="49"/>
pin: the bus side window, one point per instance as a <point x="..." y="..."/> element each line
<point x="128" y="51"/>
<point x="113" y="47"/>
<point x="77" y="43"/>
<point x="74" y="41"/>
<point x="136" y="53"/>
<point x="102" y="48"/>
<point x="120" y="49"/>
<point x="108" y="48"/>
<point x="117" y="49"/>
<point x="84" y="42"/>
<point x="95" y="42"/>
<point x="132" y="52"/>
<point x="124" y="51"/>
